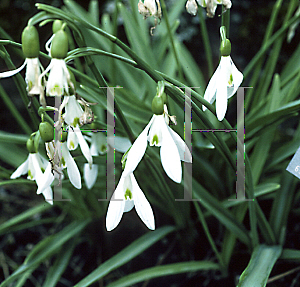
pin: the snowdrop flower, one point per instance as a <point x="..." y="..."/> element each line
<point x="31" y="49"/>
<point x="224" y="82"/>
<point x="191" y="7"/>
<point x="127" y="195"/>
<point x="59" y="77"/>
<point x="65" y="160"/>
<point x="150" y="8"/>
<point x="211" y="6"/>
<point x="73" y="112"/>
<point x="172" y="148"/>
<point x="34" y="166"/>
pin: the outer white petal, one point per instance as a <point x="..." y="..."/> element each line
<point x="55" y="84"/>
<point x="116" y="206"/>
<point x="90" y="174"/>
<point x="237" y="77"/>
<point x="13" y="72"/>
<point x="137" y="150"/>
<point x="33" y="71"/>
<point x="142" y="206"/>
<point x="184" y="153"/>
<point x="221" y="95"/>
<point x="48" y="195"/>
<point x="121" y="144"/>
<point x="22" y="169"/>
<point x="73" y="110"/>
<point x="210" y="92"/>
<point x="83" y="145"/>
<point x="72" y="140"/>
<point x="45" y="180"/>
<point x="35" y="165"/>
<point x="191" y="7"/>
<point x="72" y="169"/>
<point x="202" y="3"/>
<point x="169" y="155"/>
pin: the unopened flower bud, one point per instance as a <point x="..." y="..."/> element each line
<point x="30" y="146"/>
<point x="59" y="45"/>
<point x="158" y="105"/>
<point x="46" y="131"/>
<point x="30" y="42"/>
<point x="225" y="48"/>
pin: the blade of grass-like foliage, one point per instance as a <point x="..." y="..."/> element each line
<point x="282" y="205"/>
<point x="165" y="270"/>
<point x="290" y="254"/>
<point x="45" y="248"/>
<point x="61" y="262"/>
<point x="260" y="266"/>
<point x="12" y="138"/>
<point x="223" y="215"/>
<point x="128" y="253"/>
<point x="6" y="226"/>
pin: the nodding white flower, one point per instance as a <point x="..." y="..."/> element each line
<point x="65" y="160"/>
<point x="223" y="85"/>
<point x="172" y="148"/>
<point x="73" y="112"/>
<point x="149" y="8"/>
<point x="59" y="78"/>
<point x="191" y="7"/>
<point x="34" y="166"/>
<point x="211" y="5"/>
<point x="127" y="195"/>
<point x="33" y="72"/>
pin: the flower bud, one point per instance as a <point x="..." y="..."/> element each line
<point x="56" y="26"/>
<point x="59" y="45"/>
<point x="225" y="48"/>
<point x="46" y="131"/>
<point x="30" y="146"/>
<point x="30" y="42"/>
<point x="158" y="105"/>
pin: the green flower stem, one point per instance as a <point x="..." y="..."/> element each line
<point x="165" y="13"/>
<point x="206" y="43"/>
<point x="209" y="237"/>
<point x="226" y="20"/>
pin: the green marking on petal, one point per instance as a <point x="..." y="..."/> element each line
<point x="154" y="140"/>
<point x="75" y="122"/>
<point x="230" y="82"/>
<point x="103" y="148"/>
<point x="63" y="161"/>
<point x="128" y="194"/>
<point x="43" y="170"/>
<point x="72" y="144"/>
<point x="30" y="85"/>
<point x="30" y="174"/>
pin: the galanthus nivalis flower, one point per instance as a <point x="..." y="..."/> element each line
<point x="191" y="7"/>
<point x="73" y="112"/>
<point x="223" y="83"/>
<point x="34" y="166"/>
<point x="150" y="8"/>
<point x="211" y="5"/>
<point x="172" y="148"/>
<point x="127" y="195"/>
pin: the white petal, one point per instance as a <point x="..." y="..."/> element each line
<point x="155" y="132"/>
<point x="237" y="78"/>
<point x="13" y="72"/>
<point x="45" y="180"/>
<point x="73" y="111"/>
<point x="90" y="174"/>
<point x="137" y="150"/>
<point x="22" y="169"/>
<point x="48" y="195"/>
<point x="221" y="95"/>
<point x="142" y="206"/>
<point x="121" y="144"/>
<point x="191" y="7"/>
<point x="83" y="145"/>
<point x="116" y="206"/>
<point x="72" y="140"/>
<point x="170" y="158"/>
<point x="72" y="169"/>
<point x="129" y="204"/>
<point x="57" y="83"/>
<point x="33" y="72"/>
<point x="184" y="152"/>
<point x="210" y="92"/>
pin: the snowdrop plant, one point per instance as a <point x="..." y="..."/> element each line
<point x="211" y="6"/>
<point x="225" y="81"/>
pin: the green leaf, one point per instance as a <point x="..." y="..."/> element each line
<point x="165" y="270"/>
<point x="260" y="266"/>
<point x="128" y="253"/>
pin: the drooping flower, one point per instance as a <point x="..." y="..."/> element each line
<point x="127" y="195"/>
<point x="191" y="7"/>
<point x="172" y="148"/>
<point x="224" y="82"/>
<point x="211" y="6"/>
<point x="150" y="8"/>
<point x="73" y="112"/>
<point x="34" y="166"/>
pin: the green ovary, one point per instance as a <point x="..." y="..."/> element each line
<point x="128" y="194"/>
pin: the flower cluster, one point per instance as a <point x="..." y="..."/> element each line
<point x="210" y="5"/>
